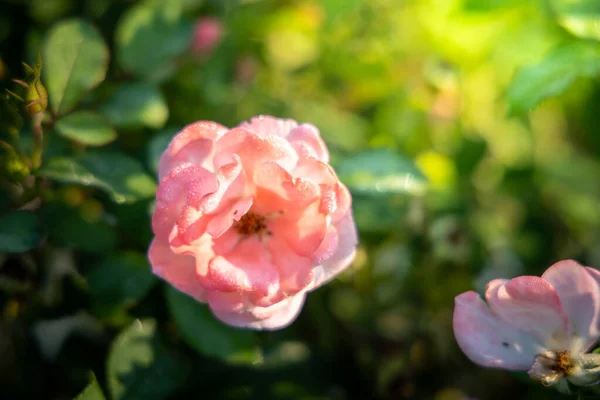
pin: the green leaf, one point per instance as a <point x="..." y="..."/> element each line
<point x="19" y="231"/>
<point x="119" y="175"/>
<point x="380" y="171"/>
<point x="86" y="127"/>
<point x="122" y="279"/>
<point x="339" y="128"/>
<point x="67" y="228"/>
<point x="92" y="391"/>
<point x="149" y="37"/>
<point x="579" y="17"/>
<point x="136" y="105"/>
<point x="140" y="367"/>
<point x="553" y="75"/>
<point x="76" y="60"/>
<point x="489" y="5"/>
<point x="207" y="335"/>
<point x="157" y="145"/>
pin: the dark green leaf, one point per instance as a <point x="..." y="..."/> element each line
<point x="92" y="391"/>
<point x="122" y="177"/>
<point x="381" y="213"/>
<point x="553" y="75"/>
<point x="67" y="228"/>
<point x="140" y="367"/>
<point x="150" y="35"/>
<point x="381" y="171"/>
<point x="580" y="17"/>
<point x="19" y="231"/>
<point x="122" y="279"/>
<point x="136" y="105"/>
<point x="209" y="336"/>
<point x="86" y="127"/>
<point x="76" y="60"/>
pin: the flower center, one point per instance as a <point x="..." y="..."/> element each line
<point x="563" y="363"/>
<point x="250" y="224"/>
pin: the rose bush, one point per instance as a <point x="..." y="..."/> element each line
<point x="250" y="219"/>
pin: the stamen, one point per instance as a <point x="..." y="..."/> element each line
<point x="250" y="224"/>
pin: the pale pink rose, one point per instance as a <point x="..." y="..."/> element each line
<point x="541" y="325"/>
<point x="208" y="33"/>
<point x="250" y="219"/>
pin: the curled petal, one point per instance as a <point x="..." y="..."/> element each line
<point x="316" y="171"/>
<point x="531" y="304"/>
<point x="295" y="271"/>
<point x="246" y="268"/>
<point x="214" y="212"/>
<point x="276" y="316"/>
<point x="278" y="191"/>
<point x="488" y="340"/>
<point x="254" y="149"/>
<point x="346" y="240"/>
<point x="304" y="232"/>
<point x="307" y="142"/>
<point x="177" y="269"/>
<point x="579" y="291"/>
<point x="266" y="125"/>
<point x="194" y="144"/>
<point x="175" y="192"/>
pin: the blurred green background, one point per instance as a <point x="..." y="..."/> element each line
<point x="467" y="131"/>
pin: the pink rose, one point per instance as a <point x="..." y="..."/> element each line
<point x="208" y="32"/>
<point x="541" y="325"/>
<point x="250" y="219"/>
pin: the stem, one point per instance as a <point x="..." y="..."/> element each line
<point x="38" y="140"/>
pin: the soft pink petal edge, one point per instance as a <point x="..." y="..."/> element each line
<point x="578" y="288"/>
<point x="531" y="304"/>
<point x="277" y="316"/>
<point x="488" y="340"/>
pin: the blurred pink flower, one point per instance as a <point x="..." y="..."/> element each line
<point x="250" y="219"/>
<point x="208" y="32"/>
<point x="542" y="325"/>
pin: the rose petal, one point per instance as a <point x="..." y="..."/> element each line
<point x="295" y="271"/>
<point x="194" y="144"/>
<point x="277" y="316"/>
<point x="315" y="171"/>
<point x="579" y="291"/>
<point x="266" y="125"/>
<point x="210" y="212"/>
<point x="531" y="304"/>
<point x="254" y="149"/>
<point x="344" y="254"/>
<point x="177" y="269"/>
<point x="246" y="268"/>
<point x="175" y="190"/>
<point x="278" y="192"/>
<point x="303" y="231"/>
<point x="224" y="219"/>
<point x="307" y="141"/>
<point x="489" y="340"/>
